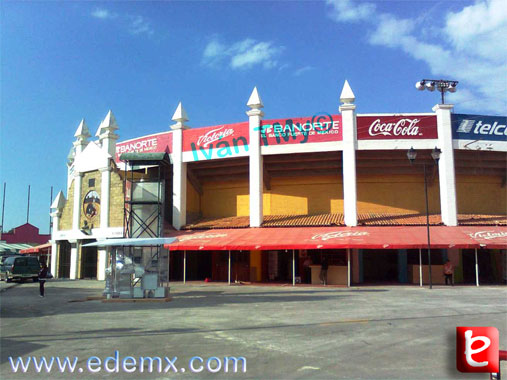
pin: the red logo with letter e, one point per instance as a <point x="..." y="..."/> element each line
<point x="477" y="349"/>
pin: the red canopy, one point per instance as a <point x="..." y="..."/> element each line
<point x="37" y="249"/>
<point x="398" y="237"/>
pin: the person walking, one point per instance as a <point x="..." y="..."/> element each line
<point x="448" y="273"/>
<point x="323" y="271"/>
<point x="43" y="274"/>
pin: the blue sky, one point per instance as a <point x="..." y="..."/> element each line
<point x="62" y="61"/>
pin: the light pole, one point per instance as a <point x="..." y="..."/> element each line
<point x="435" y="154"/>
<point x="441" y="85"/>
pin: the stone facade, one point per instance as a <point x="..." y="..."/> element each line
<point x="66" y="218"/>
<point x="91" y="182"/>
<point x="116" y="200"/>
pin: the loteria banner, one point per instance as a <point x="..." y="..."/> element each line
<point x="321" y="127"/>
<point x="396" y="127"/>
<point x="216" y="142"/>
<point x="148" y="144"/>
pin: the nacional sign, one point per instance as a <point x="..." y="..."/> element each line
<point x="396" y="127"/>
<point x="477" y="127"/>
<point x="148" y="144"/>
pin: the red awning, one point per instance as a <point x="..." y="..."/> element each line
<point x="396" y="237"/>
<point x="487" y="237"/>
<point x="37" y="249"/>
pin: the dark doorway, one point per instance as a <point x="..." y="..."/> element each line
<point x="64" y="259"/>
<point x="240" y="266"/>
<point x="486" y="273"/>
<point x="380" y="266"/>
<point x="88" y="261"/>
<point x="198" y="265"/>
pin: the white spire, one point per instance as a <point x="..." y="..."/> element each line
<point x="180" y="117"/>
<point x="82" y="132"/>
<point x="108" y="125"/>
<point x="255" y="100"/>
<point x="59" y="201"/>
<point x="347" y="96"/>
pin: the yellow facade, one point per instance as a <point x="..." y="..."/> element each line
<point x="66" y="218"/>
<point x="481" y="195"/>
<point x="116" y="200"/>
<point x="256" y="265"/>
<point x="193" y="203"/>
<point x="396" y="194"/>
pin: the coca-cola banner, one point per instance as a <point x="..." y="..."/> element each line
<point x="396" y="127"/>
<point x="216" y="142"/>
<point x="149" y="144"/>
<point x="320" y="127"/>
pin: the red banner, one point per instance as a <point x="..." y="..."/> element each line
<point x="148" y="144"/>
<point x="406" y="127"/>
<point x="318" y="128"/>
<point x="216" y="142"/>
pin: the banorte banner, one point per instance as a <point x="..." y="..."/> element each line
<point x="320" y="127"/>
<point x="397" y="127"/>
<point x="159" y="143"/>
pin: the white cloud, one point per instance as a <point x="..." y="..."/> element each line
<point x="242" y="54"/>
<point x="139" y="25"/>
<point x="103" y="14"/>
<point x="348" y="10"/>
<point x="135" y="24"/>
<point x="303" y="70"/>
<point x="470" y="47"/>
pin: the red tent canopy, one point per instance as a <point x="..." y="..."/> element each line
<point x="37" y="249"/>
<point x="398" y="237"/>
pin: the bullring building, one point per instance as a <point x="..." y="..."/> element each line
<point x="269" y="199"/>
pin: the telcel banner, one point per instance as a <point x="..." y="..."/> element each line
<point x="479" y="127"/>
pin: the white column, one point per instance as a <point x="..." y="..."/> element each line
<point x="74" y="259"/>
<point x="348" y="111"/>
<point x="101" y="267"/>
<point x="229" y="270"/>
<point x="446" y="176"/>
<point x="293" y="268"/>
<point x="348" y="267"/>
<point x="476" y="269"/>
<point x="420" y="268"/>
<point x="105" y="190"/>
<point x="54" y="248"/>
<point x="179" y="170"/>
<point x="255" y="159"/>
<point x="184" y="267"/>
<point x="76" y="212"/>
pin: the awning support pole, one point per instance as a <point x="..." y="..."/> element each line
<point x="420" y="267"/>
<point x="184" y="267"/>
<point x="229" y="270"/>
<point x="476" y="269"/>
<point x="348" y="267"/>
<point x="293" y="268"/>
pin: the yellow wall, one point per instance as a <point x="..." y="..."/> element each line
<point x="116" y="200"/>
<point x="304" y="196"/>
<point x="481" y="195"/>
<point x="68" y="209"/>
<point x="396" y="194"/>
<point x="221" y="199"/>
<point x="256" y="262"/>
<point x="193" y="202"/>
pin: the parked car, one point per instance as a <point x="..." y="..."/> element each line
<point x="20" y="268"/>
<point x="4" y="257"/>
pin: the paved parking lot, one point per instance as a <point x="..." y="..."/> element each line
<point x="283" y="332"/>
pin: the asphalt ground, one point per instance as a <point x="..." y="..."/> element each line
<point x="283" y="332"/>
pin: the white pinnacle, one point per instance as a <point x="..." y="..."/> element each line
<point x="109" y="122"/>
<point x="255" y="100"/>
<point x="59" y="201"/>
<point x="82" y="131"/>
<point x="347" y="96"/>
<point x="180" y="115"/>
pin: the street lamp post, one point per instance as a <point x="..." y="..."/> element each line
<point x="435" y="154"/>
<point x="442" y="85"/>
